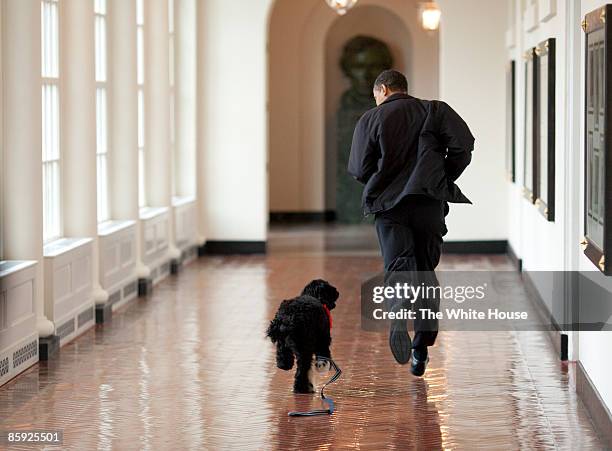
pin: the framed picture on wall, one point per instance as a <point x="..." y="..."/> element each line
<point x="545" y="153"/>
<point x="597" y="243"/>
<point x="511" y="121"/>
<point x="531" y="96"/>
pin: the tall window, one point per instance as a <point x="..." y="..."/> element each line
<point x="101" y="109"/>
<point x="140" y="76"/>
<point x="52" y="218"/>
<point x="171" y="67"/>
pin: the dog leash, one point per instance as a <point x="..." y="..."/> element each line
<point x="330" y="402"/>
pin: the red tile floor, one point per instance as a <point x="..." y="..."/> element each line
<point x="190" y="368"/>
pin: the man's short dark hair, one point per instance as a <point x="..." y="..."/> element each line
<point x="393" y="80"/>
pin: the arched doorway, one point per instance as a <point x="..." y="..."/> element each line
<point x="342" y="194"/>
<point x="305" y="84"/>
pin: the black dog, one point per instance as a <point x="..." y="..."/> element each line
<point x="301" y="329"/>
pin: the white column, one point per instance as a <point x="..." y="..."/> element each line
<point x="201" y="104"/>
<point x="157" y="115"/>
<point x="233" y="152"/>
<point x="123" y="110"/>
<point x="185" y="96"/>
<point x="79" y="129"/>
<point x="123" y="115"/>
<point x="22" y="187"/>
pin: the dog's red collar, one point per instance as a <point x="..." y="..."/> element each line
<point x="328" y="313"/>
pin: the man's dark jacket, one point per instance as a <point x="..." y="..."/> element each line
<point x="409" y="146"/>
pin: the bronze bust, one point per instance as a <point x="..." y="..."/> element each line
<point x="362" y="60"/>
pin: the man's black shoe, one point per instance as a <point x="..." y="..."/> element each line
<point x="399" y="341"/>
<point x="417" y="367"/>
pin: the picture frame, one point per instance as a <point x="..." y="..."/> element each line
<point x="545" y="129"/>
<point x="530" y="184"/>
<point x="597" y="242"/>
<point x="511" y="121"/>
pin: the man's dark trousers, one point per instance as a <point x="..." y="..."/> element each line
<point x="410" y="236"/>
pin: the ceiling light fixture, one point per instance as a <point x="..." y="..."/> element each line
<point x="430" y="16"/>
<point x="341" y="6"/>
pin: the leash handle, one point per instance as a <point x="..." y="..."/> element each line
<point x="330" y="402"/>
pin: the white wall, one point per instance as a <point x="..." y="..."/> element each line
<point x="530" y="233"/>
<point x="232" y="136"/>
<point x="185" y="96"/>
<point x="514" y="38"/>
<point x="542" y="245"/>
<point x="472" y="81"/>
<point x="284" y="119"/>
<point x="593" y="347"/>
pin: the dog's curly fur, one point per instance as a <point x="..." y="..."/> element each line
<point x="301" y="329"/>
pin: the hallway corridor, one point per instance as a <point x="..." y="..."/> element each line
<point x="190" y="368"/>
<point x="172" y="170"/>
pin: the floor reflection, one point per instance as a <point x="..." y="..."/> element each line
<point x="190" y="368"/>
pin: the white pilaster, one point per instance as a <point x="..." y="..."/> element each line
<point x="157" y="116"/>
<point x="201" y="109"/>
<point x="22" y="188"/>
<point x="123" y="115"/>
<point x="186" y="95"/>
<point x="157" y="103"/>
<point x="79" y="129"/>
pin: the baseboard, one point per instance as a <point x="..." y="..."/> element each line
<point x="233" y="248"/>
<point x="558" y="339"/>
<point x="118" y="297"/>
<point x="189" y="254"/>
<point x="145" y="286"/>
<point x="202" y="250"/>
<point x="516" y="261"/>
<point x="104" y="313"/>
<point x="475" y="247"/>
<point x="18" y="357"/>
<point x="600" y="414"/>
<point x="161" y="272"/>
<point x="301" y="217"/>
<point x="175" y="266"/>
<point x="48" y="347"/>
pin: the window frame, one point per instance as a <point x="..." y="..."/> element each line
<point x="172" y="94"/>
<point x="141" y="101"/>
<point x="103" y="154"/>
<point x="530" y="148"/>
<point x="545" y="200"/>
<point x="511" y="121"/>
<point x="51" y="77"/>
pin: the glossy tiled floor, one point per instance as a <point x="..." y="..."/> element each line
<point x="190" y="368"/>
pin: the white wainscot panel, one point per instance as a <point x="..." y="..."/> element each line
<point x="18" y="335"/>
<point x="547" y="9"/>
<point x="510" y="38"/>
<point x="117" y="242"/>
<point x="154" y="224"/>
<point x="69" y="286"/>
<point x="530" y="17"/>
<point x="185" y="217"/>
